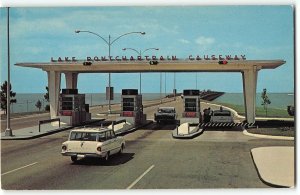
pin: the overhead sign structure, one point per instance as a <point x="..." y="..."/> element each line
<point x="71" y="67"/>
<point x="148" y="58"/>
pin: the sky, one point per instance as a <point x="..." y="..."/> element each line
<point x="259" y="32"/>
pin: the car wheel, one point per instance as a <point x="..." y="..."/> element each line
<point x="74" y="158"/>
<point x="121" y="149"/>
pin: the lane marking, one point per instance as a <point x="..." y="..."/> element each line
<point x="140" y="177"/>
<point x="19" y="168"/>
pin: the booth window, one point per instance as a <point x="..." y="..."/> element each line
<point x="128" y="104"/>
<point x="67" y="103"/>
<point x="190" y="105"/>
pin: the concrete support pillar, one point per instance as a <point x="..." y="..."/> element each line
<point x="71" y="80"/>
<point x="54" y="90"/>
<point x="249" y="85"/>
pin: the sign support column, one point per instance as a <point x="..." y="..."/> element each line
<point x="54" y="90"/>
<point x="249" y="87"/>
<point x="71" y="80"/>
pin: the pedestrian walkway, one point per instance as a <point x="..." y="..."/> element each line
<point x="44" y="130"/>
<point x="275" y="165"/>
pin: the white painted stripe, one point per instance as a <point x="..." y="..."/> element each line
<point x="19" y="168"/>
<point x="140" y="177"/>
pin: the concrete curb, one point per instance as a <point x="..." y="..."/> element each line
<point x="188" y="136"/>
<point x="245" y="132"/>
<point x="133" y="129"/>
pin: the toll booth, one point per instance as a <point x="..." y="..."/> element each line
<point x="72" y="107"/>
<point x="191" y="102"/>
<point x="132" y="107"/>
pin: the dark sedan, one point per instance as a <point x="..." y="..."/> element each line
<point x="165" y="114"/>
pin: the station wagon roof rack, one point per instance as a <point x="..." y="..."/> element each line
<point x="91" y="128"/>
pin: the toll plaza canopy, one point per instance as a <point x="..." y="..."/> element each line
<point x="71" y="67"/>
<point x="115" y="66"/>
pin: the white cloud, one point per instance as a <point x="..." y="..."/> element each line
<point x="184" y="41"/>
<point x="205" y="41"/>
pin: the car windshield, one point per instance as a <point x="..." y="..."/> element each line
<point x="166" y="110"/>
<point x="83" y="136"/>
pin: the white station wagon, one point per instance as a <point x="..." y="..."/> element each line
<point x="92" y="142"/>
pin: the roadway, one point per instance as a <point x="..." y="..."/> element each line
<point x="32" y="120"/>
<point x="152" y="159"/>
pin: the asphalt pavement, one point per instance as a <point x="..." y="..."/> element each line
<point x="152" y="159"/>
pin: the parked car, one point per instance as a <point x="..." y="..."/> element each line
<point x="92" y="142"/>
<point x="164" y="114"/>
<point x="221" y="116"/>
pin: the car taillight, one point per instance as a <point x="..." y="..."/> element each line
<point x="64" y="147"/>
<point x="99" y="149"/>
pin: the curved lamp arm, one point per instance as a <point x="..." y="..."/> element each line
<point x="142" y="33"/>
<point x="149" y="49"/>
<point x="78" y="31"/>
<point x="139" y="53"/>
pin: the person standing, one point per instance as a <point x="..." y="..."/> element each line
<point x="206" y="113"/>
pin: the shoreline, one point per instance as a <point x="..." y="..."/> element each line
<point x="209" y="98"/>
<point x="280" y="100"/>
<point x="239" y="115"/>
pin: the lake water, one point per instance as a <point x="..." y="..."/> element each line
<point x="278" y="100"/>
<point x="26" y="102"/>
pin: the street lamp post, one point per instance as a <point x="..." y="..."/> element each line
<point x="140" y="54"/>
<point x="109" y="42"/>
<point x="196" y="80"/>
<point x="174" y="90"/>
<point x="165" y="84"/>
<point x="8" y="131"/>
<point x="160" y="88"/>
